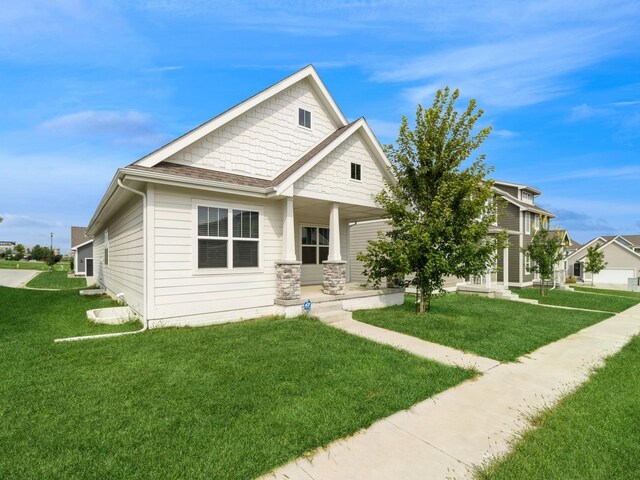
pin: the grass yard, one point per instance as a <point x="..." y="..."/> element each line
<point x="21" y="265"/>
<point x="593" y="433"/>
<point x="57" y="280"/>
<point x="605" y="291"/>
<point x="500" y="329"/>
<point x="579" y="300"/>
<point x="225" y="402"/>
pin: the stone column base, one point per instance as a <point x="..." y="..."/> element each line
<point x="288" y="280"/>
<point x="335" y="277"/>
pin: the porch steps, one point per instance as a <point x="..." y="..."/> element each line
<point x="331" y="312"/>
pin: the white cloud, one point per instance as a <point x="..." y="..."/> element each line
<point x="123" y="127"/>
<point x="384" y="129"/>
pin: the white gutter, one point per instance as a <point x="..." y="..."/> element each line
<point x="145" y="321"/>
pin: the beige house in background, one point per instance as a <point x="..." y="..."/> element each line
<point x="236" y="218"/>
<point x="622" y="254"/>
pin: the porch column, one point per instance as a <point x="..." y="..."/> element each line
<point x="334" y="268"/>
<point x="505" y="267"/>
<point x="334" y="234"/>
<point x="288" y="269"/>
<point x="288" y="232"/>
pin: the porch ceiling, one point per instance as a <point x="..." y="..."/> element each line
<point x="312" y="209"/>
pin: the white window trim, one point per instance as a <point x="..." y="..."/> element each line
<point x="536" y="222"/>
<point x="527" y="263"/>
<point x="355" y="179"/>
<point x="195" y="270"/>
<point x="306" y="129"/>
<point x="311" y="225"/>
<point x="527" y="223"/>
<point x="529" y="198"/>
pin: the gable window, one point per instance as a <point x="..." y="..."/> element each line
<point x="304" y="118"/>
<point x="106" y="247"/>
<point x="527" y="197"/>
<point x="228" y="239"/>
<point x="527" y="223"/>
<point x="356" y="171"/>
<point x="315" y="245"/>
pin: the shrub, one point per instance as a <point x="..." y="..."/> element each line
<point x="570" y="279"/>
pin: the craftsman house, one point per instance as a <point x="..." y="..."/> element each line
<point x="245" y="215"/>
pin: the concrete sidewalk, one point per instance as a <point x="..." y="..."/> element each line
<point x="417" y="346"/>
<point x="446" y="435"/>
<point x="16" y="278"/>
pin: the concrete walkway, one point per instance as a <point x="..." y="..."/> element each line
<point x="417" y="346"/>
<point x="446" y="435"/>
<point x="16" y="278"/>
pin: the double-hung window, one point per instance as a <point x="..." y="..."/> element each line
<point x="228" y="238"/>
<point x="527" y="263"/>
<point x="315" y="245"/>
<point x="537" y="222"/>
<point x="527" y="223"/>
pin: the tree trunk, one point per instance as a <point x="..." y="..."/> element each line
<point x="421" y="306"/>
<point x="429" y="295"/>
<point x="541" y="287"/>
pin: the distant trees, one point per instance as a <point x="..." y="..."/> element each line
<point x="37" y="253"/>
<point x="595" y="261"/>
<point x="19" y="251"/>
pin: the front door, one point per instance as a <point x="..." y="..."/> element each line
<point x="576" y="269"/>
<point x="88" y="263"/>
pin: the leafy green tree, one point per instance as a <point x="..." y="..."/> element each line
<point x="545" y="251"/>
<point x="19" y="251"/>
<point x="439" y="212"/>
<point x="37" y="253"/>
<point x="595" y="261"/>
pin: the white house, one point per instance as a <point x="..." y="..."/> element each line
<point x="234" y="218"/>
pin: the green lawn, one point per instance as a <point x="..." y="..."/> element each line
<point x="579" y="300"/>
<point x="224" y="402"/>
<point x="616" y="293"/>
<point x="593" y="433"/>
<point x="500" y="329"/>
<point x="21" y="265"/>
<point x="57" y="280"/>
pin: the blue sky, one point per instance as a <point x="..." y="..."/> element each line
<point x="88" y="87"/>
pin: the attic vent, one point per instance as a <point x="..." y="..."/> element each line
<point x="304" y="118"/>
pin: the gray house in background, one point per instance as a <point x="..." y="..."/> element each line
<point x="520" y="218"/>
<point x="82" y="251"/>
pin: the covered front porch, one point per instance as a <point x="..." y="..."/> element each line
<point x="315" y="249"/>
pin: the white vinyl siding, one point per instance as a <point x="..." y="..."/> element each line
<point x="124" y="272"/>
<point x="182" y="291"/>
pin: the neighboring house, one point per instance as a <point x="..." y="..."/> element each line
<point x="521" y="218"/>
<point x="6" y="245"/>
<point x="622" y="254"/>
<point x="82" y="251"/>
<point x="230" y="219"/>
<point x="359" y="235"/>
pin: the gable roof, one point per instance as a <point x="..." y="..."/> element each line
<point x="523" y="206"/>
<point x="284" y="179"/>
<point x="309" y="73"/>
<point x="631" y="239"/>
<point x="613" y="241"/>
<point x="78" y="236"/>
<point x="587" y="245"/>
<point x="519" y="186"/>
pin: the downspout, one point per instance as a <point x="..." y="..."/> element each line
<point x="145" y="321"/>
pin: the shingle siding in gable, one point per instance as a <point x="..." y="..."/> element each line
<point x="266" y="139"/>
<point x="332" y="175"/>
